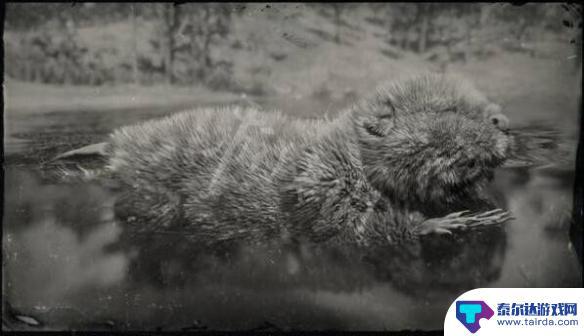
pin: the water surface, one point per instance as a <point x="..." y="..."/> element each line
<point x="69" y="264"/>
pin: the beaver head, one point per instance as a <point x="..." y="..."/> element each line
<point x="431" y="143"/>
<point x="436" y="93"/>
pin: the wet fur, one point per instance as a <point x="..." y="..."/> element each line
<point x="415" y="150"/>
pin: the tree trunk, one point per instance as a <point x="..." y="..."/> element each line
<point x="167" y="16"/>
<point x="195" y="51"/>
<point x="449" y="42"/>
<point x="484" y="15"/>
<point x="206" y="52"/>
<point x="134" y="60"/>
<point x="424" y="17"/>
<point x="337" y="14"/>
<point x="389" y="25"/>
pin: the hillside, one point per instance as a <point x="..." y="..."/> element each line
<point x="286" y="57"/>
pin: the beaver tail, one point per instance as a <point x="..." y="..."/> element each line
<point x="82" y="165"/>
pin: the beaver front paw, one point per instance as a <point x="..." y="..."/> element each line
<point x="462" y="220"/>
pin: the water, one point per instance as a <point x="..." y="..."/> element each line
<point x="70" y="265"/>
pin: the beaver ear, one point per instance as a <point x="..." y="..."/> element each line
<point x="381" y="120"/>
<point x="379" y="125"/>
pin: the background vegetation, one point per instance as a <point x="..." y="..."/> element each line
<point x="306" y="58"/>
<point x="193" y="43"/>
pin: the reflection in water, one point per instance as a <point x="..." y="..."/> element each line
<point x="69" y="263"/>
<point x="540" y="253"/>
<point x="54" y="237"/>
<point x="446" y="265"/>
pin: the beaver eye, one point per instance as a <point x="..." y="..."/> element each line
<point x="452" y="109"/>
<point x="471" y="164"/>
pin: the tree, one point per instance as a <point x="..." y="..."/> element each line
<point x="208" y="23"/>
<point x="424" y="15"/>
<point x="134" y="56"/>
<point x="337" y="11"/>
<point x="168" y="20"/>
<point x="401" y="19"/>
<point x="334" y="11"/>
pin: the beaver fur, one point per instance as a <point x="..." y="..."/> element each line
<point x="395" y="166"/>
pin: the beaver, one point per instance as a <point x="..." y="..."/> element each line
<point x="413" y="159"/>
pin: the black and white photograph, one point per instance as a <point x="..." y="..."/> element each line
<point x="268" y="167"/>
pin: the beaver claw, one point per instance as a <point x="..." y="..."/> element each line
<point x="462" y="220"/>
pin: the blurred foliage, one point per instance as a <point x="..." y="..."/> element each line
<point x="449" y="32"/>
<point x="179" y="43"/>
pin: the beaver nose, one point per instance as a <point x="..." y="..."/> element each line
<point x="500" y="121"/>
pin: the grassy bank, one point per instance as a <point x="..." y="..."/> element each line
<point x="27" y="98"/>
